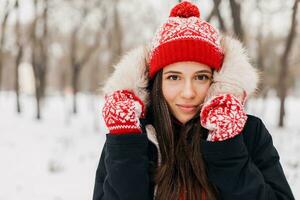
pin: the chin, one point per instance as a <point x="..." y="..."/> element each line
<point x="185" y="120"/>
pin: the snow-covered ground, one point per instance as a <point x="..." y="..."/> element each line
<point x="287" y="139"/>
<point x="53" y="159"/>
<point x="56" y="158"/>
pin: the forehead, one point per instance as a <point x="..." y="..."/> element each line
<point x="187" y="67"/>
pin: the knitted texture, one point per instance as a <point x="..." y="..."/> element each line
<point x="121" y="112"/>
<point x="223" y="116"/>
<point x="185" y="9"/>
<point x="185" y="37"/>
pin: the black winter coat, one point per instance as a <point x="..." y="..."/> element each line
<point x="245" y="167"/>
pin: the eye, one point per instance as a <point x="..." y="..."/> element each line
<point x="173" y="77"/>
<point x="203" y="77"/>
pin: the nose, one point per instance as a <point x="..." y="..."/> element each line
<point x="188" y="90"/>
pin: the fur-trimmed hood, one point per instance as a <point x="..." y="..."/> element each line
<point x="237" y="75"/>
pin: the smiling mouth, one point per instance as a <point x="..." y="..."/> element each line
<point x="187" y="108"/>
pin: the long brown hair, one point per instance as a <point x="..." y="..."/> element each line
<point x="182" y="170"/>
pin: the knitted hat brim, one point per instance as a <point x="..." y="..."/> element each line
<point x="189" y="49"/>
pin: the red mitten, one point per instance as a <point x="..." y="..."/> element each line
<point x="121" y="112"/>
<point x="223" y="116"/>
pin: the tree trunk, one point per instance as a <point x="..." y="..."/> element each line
<point x="18" y="57"/>
<point x="74" y="67"/>
<point x="17" y="85"/>
<point x="44" y="50"/>
<point x="237" y="21"/>
<point x="35" y="62"/>
<point x="38" y="98"/>
<point x="282" y="78"/>
<point x="76" y="63"/>
<point x="40" y="55"/>
<point x="260" y="61"/>
<point x="2" y="39"/>
<point x="115" y="38"/>
<point x="118" y="33"/>
<point x="216" y="12"/>
<point x="33" y="57"/>
<point x="75" y="87"/>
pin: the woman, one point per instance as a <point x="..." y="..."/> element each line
<point x="177" y="126"/>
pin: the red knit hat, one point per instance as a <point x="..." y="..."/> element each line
<point x="185" y="37"/>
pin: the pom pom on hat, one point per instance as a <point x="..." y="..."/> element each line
<point x="185" y="9"/>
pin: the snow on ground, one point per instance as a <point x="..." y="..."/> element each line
<point x="287" y="139"/>
<point x="56" y="158"/>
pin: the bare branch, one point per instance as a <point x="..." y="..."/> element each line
<point x="77" y="64"/>
<point x="282" y="78"/>
<point x="90" y="51"/>
<point x="292" y="33"/>
<point x="18" y="57"/>
<point x="216" y="12"/>
<point x="236" y="16"/>
<point x="2" y="38"/>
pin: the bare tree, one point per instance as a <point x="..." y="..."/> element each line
<point x="2" y="37"/>
<point x="44" y="45"/>
<point x="216" y="12"/>
<point x="39" y="54"/>
<point x="78" y="63"/>
<point x="236" y="17"/>
<point x="33" y="57"/>
<point x="18" y="57"/>
<point x="260" y="50"/>
<point x="282" y="76"/>
<point x="115" y="37"/>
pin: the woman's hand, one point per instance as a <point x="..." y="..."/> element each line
<point x="223" y="116"/>
<point x="121" y="112"/>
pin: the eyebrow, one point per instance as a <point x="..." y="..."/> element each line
<point x="198" y="72"/>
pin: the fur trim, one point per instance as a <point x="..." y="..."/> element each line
<point x="236" y="76"/>
<point x="130" y="73"/>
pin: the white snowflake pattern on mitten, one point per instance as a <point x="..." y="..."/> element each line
<point x="121" y="112"/>
<point x="223" y="116"/>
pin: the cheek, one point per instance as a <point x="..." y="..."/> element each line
<point x="202" y="91"/>
<point x="167" y="92"/>
<point x="170" y="91"/>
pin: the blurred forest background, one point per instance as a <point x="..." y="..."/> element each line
<point x="69" y="46"/>
<point x="56" y="54"/>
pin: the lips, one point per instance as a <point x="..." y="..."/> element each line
<point x="187" y="108"/>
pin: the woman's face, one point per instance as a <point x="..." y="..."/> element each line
<point x="184" y="86"/>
